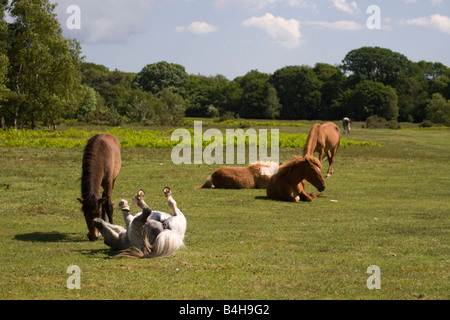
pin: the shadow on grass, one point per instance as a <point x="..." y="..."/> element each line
<point x="53" y="236"/>
<point x="107" y="252"/>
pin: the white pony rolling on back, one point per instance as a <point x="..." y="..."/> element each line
<point x="148" y="234"/>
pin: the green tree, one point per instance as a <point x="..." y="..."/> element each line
<point x="431" y="70"/>
<point x="272" y="103"/>
<point x="44" y="66"/>
<point x="4" y="63"/>
<point x="412" y="99"/>
<point x="174" y="108"/>
<point x="203" y="91"/>
<point x="298" y="89"/>
<point x="113" y="86"/>
<point x="253" y="102"/>
<point x="441" y="84"/>
<point x="333" y="84"/>
<point x="89" y="101"/>
<point x="438" y="110"/>
<point x="142" y="106"/>
<point x="377" y="64"/>
<point x="198" y="91"/>
<point x="163" y="75"/>
<point x="409" y="79"/>
<point x="370" y="98"/>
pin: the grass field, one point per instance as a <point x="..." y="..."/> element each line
<point x="386" y="205"/>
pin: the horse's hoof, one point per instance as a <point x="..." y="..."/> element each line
<point x="123" y="205"/>
<point x="92" y="238"/>
<point x="167" y="191"/>
<point x="98" y="223"/>
<point x="139" y="197"/>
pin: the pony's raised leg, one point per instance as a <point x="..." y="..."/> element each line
<point x="138" y="200"/>
<point x="127" y="217"/>
<point x="114" y="236"/>
<point x="137" y="226"/>
<point x="171" y="201"/>
<point x="177" y="222"/>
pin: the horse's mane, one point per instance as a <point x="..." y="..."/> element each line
<point x="87" y="170"/>
<point x="265" y="167"/>
<point x="314" y="160"/>
<point x="286" y="168"/>
<point x="311" y="138"/>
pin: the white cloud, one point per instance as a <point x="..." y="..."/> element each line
<point x="285" y="32"/>
<point x="436" y="21"/>
<point x="436" y="2"/>
<point x="343" y="25"/>
<point x="342" y="5"/>
<point x="247" y="4"/>
<point x="198" y="28"/>
<point x="256" y="5"/>
<point x="108" y="21"/>
<point x="302" y="3"/>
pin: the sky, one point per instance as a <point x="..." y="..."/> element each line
<point x="233" y="37"/>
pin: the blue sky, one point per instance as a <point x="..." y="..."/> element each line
<point x="232" y="37"/>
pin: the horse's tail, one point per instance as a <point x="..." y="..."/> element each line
<point x="132" y="252"/>
<point x="208" y="183"/>
<point x="166" y="244"/>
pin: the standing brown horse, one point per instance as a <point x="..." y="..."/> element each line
<point x="101" y="165"/>
<point x="255" y="176"/>
<point x="324" y="139"/>
<point x="288" y="183"/>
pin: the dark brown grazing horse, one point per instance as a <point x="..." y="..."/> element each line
<point x="101" y="165"/>
<point x="288" y="183"/>
<point x="324" y="139"/>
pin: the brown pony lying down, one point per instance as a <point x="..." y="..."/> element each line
<point x="255" y="176"/>
<point x="288" y="183"/>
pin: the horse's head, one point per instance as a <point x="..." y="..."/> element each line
<point x="92" y="209"/>
<point x="314" y="173"/>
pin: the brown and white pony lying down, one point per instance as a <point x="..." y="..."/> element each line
<point x="288" y="183"/>
<point x="148" y="234"/>
<point x="255" y="176"/>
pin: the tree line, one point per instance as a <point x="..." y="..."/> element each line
<point x="44" y="79"/>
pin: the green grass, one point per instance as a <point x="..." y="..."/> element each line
<point x="392" y="210"/>
<point x="144" y="138"/>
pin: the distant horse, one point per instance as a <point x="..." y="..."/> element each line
<point x="255" y="176"/>
<point x="324" y="139"/>
<point x="148" y="234"/>
<point x="346" y="123"/>
<point x="288" y="183"/>
<point x="101" y="165"/>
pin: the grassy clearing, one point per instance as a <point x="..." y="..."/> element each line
<point x="392" y="211"/>
<point x="130" y="138"/>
